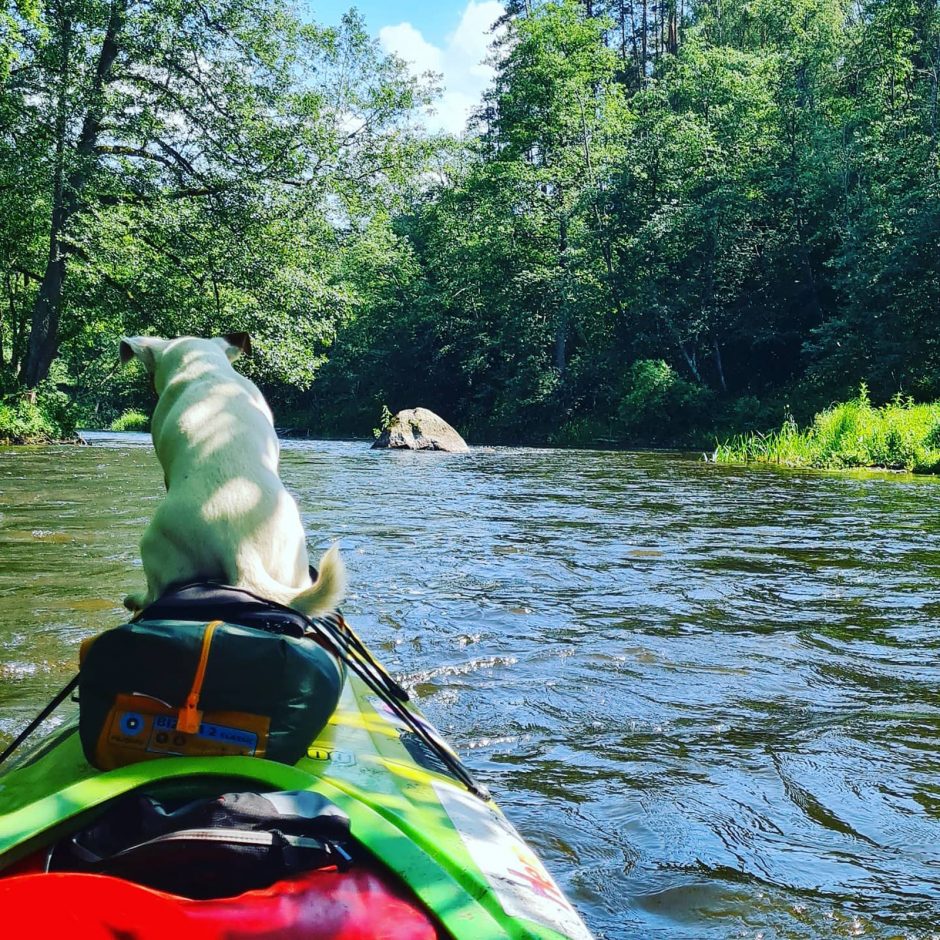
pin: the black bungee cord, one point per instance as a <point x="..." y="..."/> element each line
<point x="343" y="640"/>
<point x="57" y="700"/>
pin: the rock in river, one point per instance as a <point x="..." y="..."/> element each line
<point x="420" y="429"/>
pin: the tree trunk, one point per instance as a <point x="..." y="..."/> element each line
<point x="44" y="332"/>
<point x="657" y="32"/>
<point x="623" y="37"/>
<point x="672" y="29"/>
<point x="643" y="39"/>
<point x="17" y="327"/>
<point x="561" y="324"/>
<point x="561" y="341"/>
<point x="67" y="192"/>
<point x="9" y="334"/>
<point x="9" y="286"/>
<point x="599" y="219"/>
<point x="634" y="48"/>
<point x="690" y="358"/>
<point x="688" y="354"/>
<point x="719" y="365"/>
<point x="935" y="66"/>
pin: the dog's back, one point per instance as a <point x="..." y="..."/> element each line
<point x="208" y="415"/>
<point x="226" y="515"/>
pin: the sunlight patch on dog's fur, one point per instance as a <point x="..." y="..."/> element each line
<point x="234" y="499"/>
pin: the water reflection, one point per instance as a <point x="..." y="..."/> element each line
<point x="709" y="696"/>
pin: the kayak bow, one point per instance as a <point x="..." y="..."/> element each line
<point x="407" y="807"/>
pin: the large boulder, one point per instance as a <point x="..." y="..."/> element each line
<point x="420" y="429"/>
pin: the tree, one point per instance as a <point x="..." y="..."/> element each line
<point x="167" y="120"/>
<point x="886" y="266"/>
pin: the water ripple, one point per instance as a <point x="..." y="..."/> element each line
<point x="707" y="695"/>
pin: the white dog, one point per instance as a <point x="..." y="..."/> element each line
<point x="226" y="515"/>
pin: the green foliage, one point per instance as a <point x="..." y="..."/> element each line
<point x="585" y="432"/>
<point x="660" y="229"/>
<point x="787" y="447"/>
<point x="22" y="422"/>
<point x="897" y="436"/>
<point x="603" y="224"/>
<point x="755" y="211"/>
<point x="217" y="174"/>
<point x="657" y="404"/>
<point x="385" y="422"/>
<point x="42" y="417"/>
<point x="131" y="421"/>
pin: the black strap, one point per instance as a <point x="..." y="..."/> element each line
<point x="40" y="718"/>
<point x="204" y="863"/>
<point x="332" y="631"/>
<point x="209" y="601"/>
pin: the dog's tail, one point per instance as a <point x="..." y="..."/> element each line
<point x="329" y="588"/>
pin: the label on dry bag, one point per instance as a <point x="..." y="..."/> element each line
<point x="139" y="727"/>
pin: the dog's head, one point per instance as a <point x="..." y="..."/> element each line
<point x="152" y="350"/>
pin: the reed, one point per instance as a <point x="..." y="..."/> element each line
<point x="897" y="436"/>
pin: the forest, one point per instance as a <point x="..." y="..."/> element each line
<point x="669" y="220"/>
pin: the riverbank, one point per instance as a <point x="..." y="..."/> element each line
<point x="44" y="416"/>
<point x="900" y="435"/>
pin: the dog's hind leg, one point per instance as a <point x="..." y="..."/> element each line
<point x="135" y="602"/>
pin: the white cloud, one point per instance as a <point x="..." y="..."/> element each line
<point x="460" y="61"/>
<point x="406" y="41"/>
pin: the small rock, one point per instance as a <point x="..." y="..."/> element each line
<point x="420" y="429"/>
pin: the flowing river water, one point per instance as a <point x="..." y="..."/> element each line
<point x="708" y="696"/>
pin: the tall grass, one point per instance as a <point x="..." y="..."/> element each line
<point x="131" y="421"/>
<point x="896" y="436"/>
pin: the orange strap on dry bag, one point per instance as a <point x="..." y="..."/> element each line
<point x="189" y="715"/>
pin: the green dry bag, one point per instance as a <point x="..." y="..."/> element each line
<point x="162" y="687"/>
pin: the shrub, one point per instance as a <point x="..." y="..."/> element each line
<point x="22" y="422"/>
<point x="131" y="420"/>
<point x="43" y="417"/>
<point x="582" y="431"/>
<point x="385" y="422"/>
<point x="656" y="403"/>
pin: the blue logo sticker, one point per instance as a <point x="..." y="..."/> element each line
<point x="131" y="723"/>
<point x="227" y="735"/>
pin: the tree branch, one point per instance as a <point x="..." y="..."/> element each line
<point x="118" y="150"/>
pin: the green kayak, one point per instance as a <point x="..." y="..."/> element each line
<point x="452" y="847"/>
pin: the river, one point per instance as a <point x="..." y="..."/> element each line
<point x="709" y="696"/>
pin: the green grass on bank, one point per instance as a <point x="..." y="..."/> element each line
<point x="131" y="420"/>
<point x="896" y="436"/>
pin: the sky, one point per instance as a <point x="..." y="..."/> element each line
<point x="450" y="37"/>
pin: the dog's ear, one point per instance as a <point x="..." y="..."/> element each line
<point x="237" y="343"/>
<point x="143" y="347"/>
